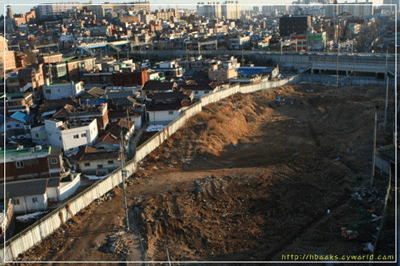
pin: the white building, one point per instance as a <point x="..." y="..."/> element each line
<point x="71" y="136"/>
<point x="34" y="195"/>
<point x="39" y="135"/>
<point x="62" y="90"/>
<point x="55" y="9"/>
<point x="231" y="10"/>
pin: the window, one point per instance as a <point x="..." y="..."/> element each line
<point x="99" y="166"/>
<point x="83" y="135"/>
<point x="34" y="200"/>
<point x="60" y="138"/>
<point x="171" y="112"/>
<point x="111" y="162"/>
<point x="15" y="201"/>
<point x="205" y="91"/>
<point x="196" y="92"/>
<point x="53" y="160"/>
<point x="17" y="125"/>
<point x="19" y="164"/>
<point x="49" y="134"/>
<point x="87" y="164"/>
<point x="76" y="136"/>
<point x="8" y="126"/>
<point x="48" y="91"/>
<point x="36" y="135"/>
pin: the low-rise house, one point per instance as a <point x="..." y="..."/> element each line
<point x="123" y="98"/>
<point x="221" y="74"/>
<point x="57" y="91"/>
<point x="70" y="135"/>
<point x="98" y="162"/>
<point x="84" y="113"/>
<point x="198" y="90"/>
<point x="117" y="115"/>
<point x="39" y="162"/>
<point x="153" y="86"/>
<point x="21" y="101"/>
<point x="13" y="126"/>
<point x="169" y="69"/>
<point x="108" y="142"/>
<point x="39" y="135"/>
<point x="164" y="113"/>
<point x="138" y="77"/>
<point x="34" y="195"/>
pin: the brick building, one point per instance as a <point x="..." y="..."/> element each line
<point x="31" y="163"/>
<point x="139" y="77"/>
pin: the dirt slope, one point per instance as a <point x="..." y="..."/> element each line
<point x="252" y="177"/>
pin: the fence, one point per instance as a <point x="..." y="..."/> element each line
<point x="48" y="224"/>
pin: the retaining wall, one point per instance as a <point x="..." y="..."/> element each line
<point x="48" y="224"/>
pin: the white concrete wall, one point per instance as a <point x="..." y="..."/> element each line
<point x="41" y="139"/>
<point x="66" y="190"/>
<point x="48" y="224"/>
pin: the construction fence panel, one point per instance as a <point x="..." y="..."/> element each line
<point x="48" y="224"/>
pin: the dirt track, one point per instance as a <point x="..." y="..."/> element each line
<point x="252" y="177"/>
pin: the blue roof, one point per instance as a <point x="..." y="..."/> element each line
<point x="249" y="71"/>
<point x="95" y="102"/>
<point x="21" y="117"/>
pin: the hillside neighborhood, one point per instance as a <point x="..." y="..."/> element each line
<point x="86" y="85"/>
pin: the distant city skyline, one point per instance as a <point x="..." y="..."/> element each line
<point x="21" y="6"/>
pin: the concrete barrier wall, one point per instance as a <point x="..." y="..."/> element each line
<point x="48" y="224"/>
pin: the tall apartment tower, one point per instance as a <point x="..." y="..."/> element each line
<point x="231" y="10"/>
<point x="9" y="12"/>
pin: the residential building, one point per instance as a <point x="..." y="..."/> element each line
<point x="35" y="195"/>
<point x="57" y="91"/>
<point x="39" y="162"/>
<point x="221" y="74"/>
<point x="98" y="162"/>
<point x="154" y="86"/>
<point x="231" y="10"/>
<point x="69" y="135"/>
<point x="39" y="135"/>
<point x="15" y="102"/>
<point x="138" y="77"/>
<point x="7" y="58"/>
<point x="294" y="25"/>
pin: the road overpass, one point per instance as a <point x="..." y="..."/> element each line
<point x="374" y="64"/>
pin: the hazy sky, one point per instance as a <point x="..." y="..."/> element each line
<point x="19" y="6"/>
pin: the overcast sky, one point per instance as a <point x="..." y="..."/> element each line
<point x="19" y="6"/>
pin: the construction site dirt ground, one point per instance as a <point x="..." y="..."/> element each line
<point x="255" y="177"/>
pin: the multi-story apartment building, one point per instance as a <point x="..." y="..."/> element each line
<point x="231" y="10"/>
<point x="52" y="9"/>
<point x="294" y="25"/>
<point x="209" y="10"/>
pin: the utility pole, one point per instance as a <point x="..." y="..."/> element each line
<point x="374" y="151"/>
<point x="386" y="102"/>
<point x="123" y="174"/>
<point x="337" y="66"/>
